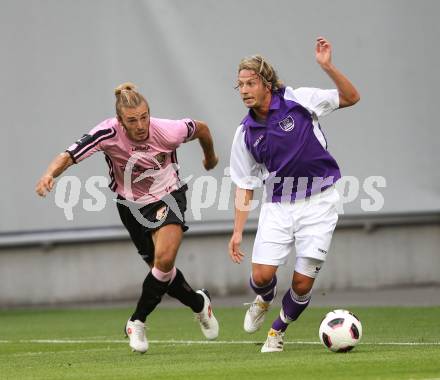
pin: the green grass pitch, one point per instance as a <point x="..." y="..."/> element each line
<point x="398" y="343"/>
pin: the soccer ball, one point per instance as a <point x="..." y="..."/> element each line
<point x="340" y="331"/>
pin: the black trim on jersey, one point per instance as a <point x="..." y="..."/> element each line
<point x="85" y="140"/>
<point x="93" y="140"/>
<point x="112" y="185"/>
<point x="174" y="156"/>
<point x="71" y="156"/>
<point x="174" y="161"/>
<point x="191" y="127"/>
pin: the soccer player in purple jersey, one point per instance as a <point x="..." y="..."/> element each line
<point x="141" y="154"/>
<point x="280" y="141"/>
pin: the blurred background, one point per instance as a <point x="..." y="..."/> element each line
<point x="62" y="59"/>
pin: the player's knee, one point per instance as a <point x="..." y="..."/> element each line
<point x="302" y="286"/>
<point x="261" y="279"/>
<point x="306" y="270"/>
<point x="164" y="260"/>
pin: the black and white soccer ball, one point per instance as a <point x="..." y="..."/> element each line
<point x="340" y="331"/>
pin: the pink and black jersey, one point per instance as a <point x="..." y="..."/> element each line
<point x="139" y="171"/>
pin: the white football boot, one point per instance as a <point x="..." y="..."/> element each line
<point x="274" y="341"/>
<point x="254" y="318"/>
<point x="208" y="323"/>
<point x="135" y="331"/>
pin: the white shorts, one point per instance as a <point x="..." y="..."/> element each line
<point x="308" y="224"/>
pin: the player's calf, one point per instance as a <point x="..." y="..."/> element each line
<point x="292" y="307"/>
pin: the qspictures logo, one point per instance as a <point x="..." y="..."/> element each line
<point x="206" y="192"/>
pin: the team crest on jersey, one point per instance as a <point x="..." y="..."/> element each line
<point x="287" y="124"/>
<point x="161" y="157"/>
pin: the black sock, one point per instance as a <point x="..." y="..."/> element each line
<point x="181" y="290"/>
<point x="152" y="292"/>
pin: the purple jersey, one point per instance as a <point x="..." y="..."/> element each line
<point x="288" y="151"/>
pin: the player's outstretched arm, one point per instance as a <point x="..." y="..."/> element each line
<point x="203" y="134"/>
<point x="348" y="95"/>
<point x="58" y="165"/>
<point x="243" y="198"/>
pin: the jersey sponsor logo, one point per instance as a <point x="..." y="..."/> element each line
<point x="154" y="163"/>
<point x="258" y="140"/>
<point x="136" y="170"/>
<point x="287" y="124"/>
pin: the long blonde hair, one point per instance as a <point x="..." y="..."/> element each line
<point x="263" y="69"/>
<point x="127" y="95"/>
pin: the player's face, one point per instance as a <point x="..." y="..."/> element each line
<point x="136" y="122"/>
<point x="252" y="90"/>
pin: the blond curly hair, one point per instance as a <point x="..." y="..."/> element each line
<point x="263" y="69"/>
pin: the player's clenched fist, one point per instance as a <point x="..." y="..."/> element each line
<point x="210" y="162"/>
<point x="45" y="185"/>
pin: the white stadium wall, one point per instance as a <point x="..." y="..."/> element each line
<point x="62" y="60"/>
<point x="364" y="255"/>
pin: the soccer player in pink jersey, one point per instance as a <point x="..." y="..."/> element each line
<point x="141" y="154"/>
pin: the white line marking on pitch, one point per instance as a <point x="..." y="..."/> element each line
<point x="189" y="342"/>
<point x="36" y="353"/>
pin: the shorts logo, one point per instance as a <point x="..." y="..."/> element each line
<point x="287" y="124"/>
<point x="161" y="213"/>
<point x="322" y="251"/>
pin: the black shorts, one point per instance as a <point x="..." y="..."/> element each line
<point x="140" y="234"/>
